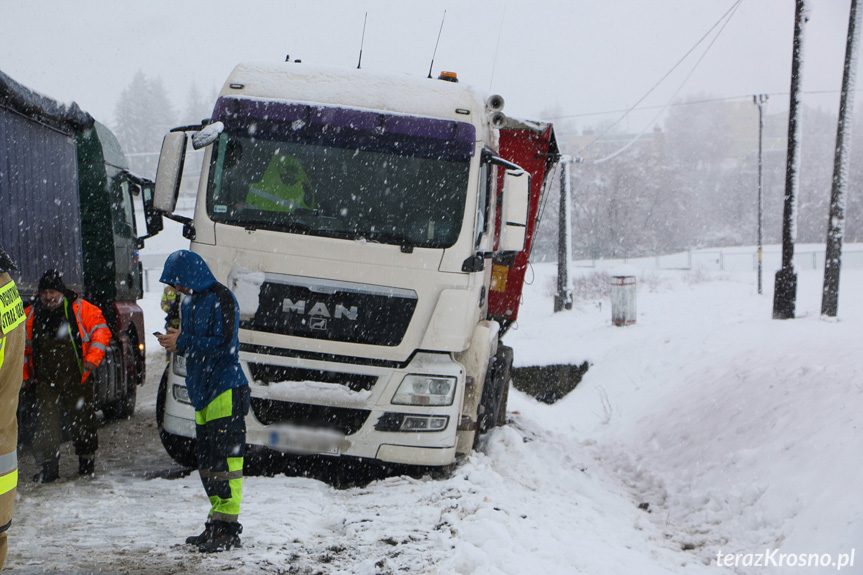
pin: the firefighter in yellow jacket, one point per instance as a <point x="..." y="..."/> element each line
<point x="67" y="338"/>
<point x="11" y="357"/>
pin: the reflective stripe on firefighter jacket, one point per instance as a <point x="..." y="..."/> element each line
<point x="11" y="358"/>
<point x="94" y="332"/>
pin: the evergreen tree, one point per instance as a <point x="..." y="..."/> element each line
<point x="144" y="115"/>
<point x="198" y="107"/>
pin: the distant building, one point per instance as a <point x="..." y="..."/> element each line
<point x="743" y="119"/>
<point x="739" y="129"/>
<point x="592" y="146"/>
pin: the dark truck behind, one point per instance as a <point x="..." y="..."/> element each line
<point x="66" y="202"/>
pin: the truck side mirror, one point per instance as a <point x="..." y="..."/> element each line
<point x="516" y="197"/>
<point x="209" y="134"/>
<point x="152" y="218"/>
<point x="143" y="188"/>
<point x="170" y="172"/>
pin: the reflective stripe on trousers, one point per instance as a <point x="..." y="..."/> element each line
<point x="220" y="431"/>
<point x="8" y="483"/>
<point x="8" y="472"/>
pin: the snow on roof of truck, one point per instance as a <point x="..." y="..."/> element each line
<point x="345" y="87"/>
<point x="34" y="105"/>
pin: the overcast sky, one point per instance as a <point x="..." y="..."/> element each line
<point x="548" y="58"/>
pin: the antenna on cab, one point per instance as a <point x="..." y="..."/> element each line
<point x="436" y="44"/>
<point x="362" y="41"/>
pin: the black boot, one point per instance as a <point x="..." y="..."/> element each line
<point x="223" y="536"/>
<point x="86" y="465"/>
<point x="200" y="539"/>
<point x="50" y="471"/>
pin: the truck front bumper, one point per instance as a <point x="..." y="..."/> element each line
<point x="307" y="417"/>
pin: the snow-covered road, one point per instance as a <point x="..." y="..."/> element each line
<point x="519" y="505"/>
<point x="707" y="427"/>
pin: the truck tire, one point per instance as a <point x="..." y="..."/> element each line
<point x="181" y="449"/>
<point x="124" y="407"/>
<point x="137" y="359"/>
<point x="492" y="405"/>
<point x="501" y="417"/>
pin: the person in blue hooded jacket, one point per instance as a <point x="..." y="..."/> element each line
<point x="218" y="389"/>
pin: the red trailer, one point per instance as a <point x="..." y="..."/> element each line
<point x="533" y="146"/>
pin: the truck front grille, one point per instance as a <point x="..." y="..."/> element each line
<point x="347" y="421"/>
<point x="267" y="374"/>
<point x="335" y="311"/>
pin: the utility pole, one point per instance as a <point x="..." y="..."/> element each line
<point x="563" y="297"/>
<point x="785" y="292"/>
<point x="836" y="222"/>
<point x="760" y="100"/>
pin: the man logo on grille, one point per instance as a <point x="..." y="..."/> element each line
<point x="319" y="310"/>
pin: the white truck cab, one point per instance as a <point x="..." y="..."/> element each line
<point x="354" y="215"/>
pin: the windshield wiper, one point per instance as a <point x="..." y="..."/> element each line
<point x="406" y="243"/>
<point x="289" y="226"/>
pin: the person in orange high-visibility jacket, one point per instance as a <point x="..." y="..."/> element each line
<point x="67" y="338"/>
<point x="11" y="357"/>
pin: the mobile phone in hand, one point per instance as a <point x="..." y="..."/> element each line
<point x="158" y="333"/>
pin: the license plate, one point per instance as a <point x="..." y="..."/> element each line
<point x="295" y="439"/>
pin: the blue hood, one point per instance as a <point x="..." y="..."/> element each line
<point x="187" y="269"/>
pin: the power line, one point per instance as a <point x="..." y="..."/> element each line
<point x="497" y="47"/>
<point x="680" y="87"/>
<point x="694" y="102"/>
<point x="673" y="68"/>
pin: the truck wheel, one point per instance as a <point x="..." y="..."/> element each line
<point x="181" y="449"/>
<point x="124" y="407"/>
<point x="137" y="360"/>
<point x="501" y="417"/>
<point x="492" y="406"/>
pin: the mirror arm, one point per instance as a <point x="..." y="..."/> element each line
<point x="140" y="241"/>
<point x="188" y="224"/>
<point x="476" y="262"/>
<point x="188" y="128"/>
<point x="175" y="218"/>
<point x="498" y="161"/>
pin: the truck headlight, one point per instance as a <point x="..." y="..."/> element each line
<point x="417" y="389"/>
<point x="181" y="394"/>
<point x="410" y="422"/>
<point x="178" y="365"/>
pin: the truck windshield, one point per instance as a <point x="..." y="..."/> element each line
<point x="338" y="181"/>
